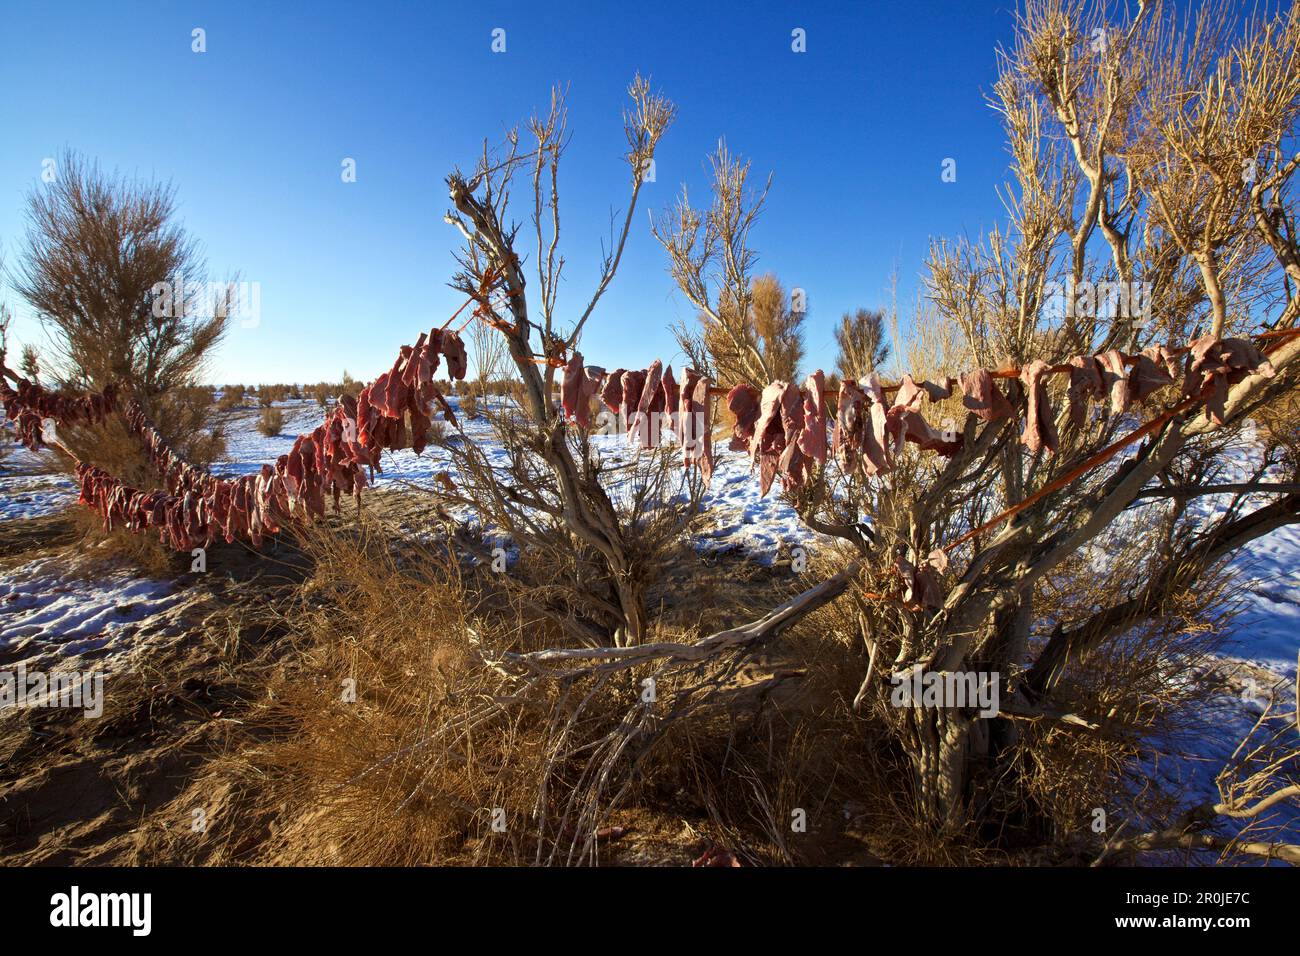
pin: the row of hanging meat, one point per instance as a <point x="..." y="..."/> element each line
<point x="29" y="405"/>
<point x="193" y="507"/>
<point x="784" y="427"/>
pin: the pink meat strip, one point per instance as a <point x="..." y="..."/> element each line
<point x="695" y="432"/>
<point x="576" y="390"/>
<point x="923" y="585"/>
<point x="630" y="399"/>
<point x="671" y="396"/>
<point x="876" y="457"/>
<point x="1218" y="364"/>
<point x="1040" y="426"/>
<point x="981" y="395"/>
<point x="768" y="441"/>
<point x="1085" y="383"/>
<point x="846" y="439"/>
<point x="812" y="439"/>
<point x="1147" y="377"/>
<point x="1114" y="377"/>
<point x="646" y="425"/>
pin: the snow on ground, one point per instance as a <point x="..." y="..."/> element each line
<point x="30" y="496"/>
<point x="50" y="612"/>
<point x="27" y="488"/>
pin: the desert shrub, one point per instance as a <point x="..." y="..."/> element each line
<point x="271" y="422"/>
<point x="96" y="246"/>
<point x="268" y="395"/>
<point x="350" y="386"/>
<point x="469" y="404"/>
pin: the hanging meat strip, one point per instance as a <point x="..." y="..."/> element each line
<point x="981" y="395"/>
<point x="1085" y="383"/>
<point x="694" y="428"/>
<point x="1114" y="377"/>
<point x="743" y="403"/>
<point x="812" y="439"/>
<point x="1216" y="365"/>
<point x="644" y="427"/>
<point x="1040" y="424"/>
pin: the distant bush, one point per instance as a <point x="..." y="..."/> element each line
<point x="271" y="423"/>
<point x="268" y="395"/>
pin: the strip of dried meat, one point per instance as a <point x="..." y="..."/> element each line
<point x="876" y="456"/>
<point x="611" y="392"/>
<point x="981" y="395"/>
<point x="1214" y="365"/>
<point x="812" y="439"/>
<point x="743" y="403"/>
<point x="1085" y="383"/>
<point x="1040" y="424"/>
<point x="644" y="427"/>
<point x="1114" y="377"/>
<point x="670" y="399"/>
<point x="850" y="418"/>
<point x="694" y="428"/>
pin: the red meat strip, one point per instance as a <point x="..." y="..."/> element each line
<point x="578" y="386"/>
<point x="668" y="383"/>
<point x="611" y="393"/>
<point x="645" y="424"/>
<point x="743" y="403"/>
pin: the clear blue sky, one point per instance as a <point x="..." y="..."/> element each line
<point x="253" y="132"/>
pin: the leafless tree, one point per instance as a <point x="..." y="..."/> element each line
<point x="1134" y="197"/>
<point x="710" y="250"/>
<point x="563" y="476"/>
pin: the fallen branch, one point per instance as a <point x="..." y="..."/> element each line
<point x="747" y="635"/>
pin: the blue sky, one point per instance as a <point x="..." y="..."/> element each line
<point x="253" y="132"/>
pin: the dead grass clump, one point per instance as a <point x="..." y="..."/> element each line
<point x="397" y="750"/>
